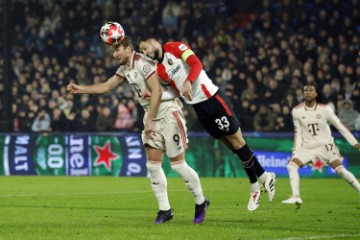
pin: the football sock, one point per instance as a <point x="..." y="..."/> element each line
<point x="159" y="185"/>
<point x="255" y="187"/>
<point x="248" y="160"/>
<point x="348" y="176"/>
<point x="294" y="178"/>
<point x="191" y="179"/>
<point x="262" y="177"/>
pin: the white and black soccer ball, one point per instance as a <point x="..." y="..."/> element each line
<point x="112" y="33"/>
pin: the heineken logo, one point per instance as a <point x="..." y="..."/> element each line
<point x="105" y="155"/>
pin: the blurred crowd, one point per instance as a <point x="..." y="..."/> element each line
<point x="260" y="56"/>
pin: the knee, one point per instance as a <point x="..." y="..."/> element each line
<point x="237" y="142"/>
<point x="339" y="170"/>
<point x="292" y="166"/>
<point x="153" y="166"/>
<point x="177" y="165"/>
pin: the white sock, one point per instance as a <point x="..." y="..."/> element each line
<point x="255" y="187"/>
<point x="294" y="178"/>
<point x="263" y="177"/>
<point x="159" y="185"/>
<point x="191" y="179"/>
<point x="348" y="176"/>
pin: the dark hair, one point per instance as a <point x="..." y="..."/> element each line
<point x="320" y="97"/>
<point x="144" y="39"/>
<point x="126" y="42"/>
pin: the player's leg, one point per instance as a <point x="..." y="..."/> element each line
<point x="193" y="184"/>
<point x="246" y="156"/>
<point x="216" y="116"/>
<point x="190" y="177"/>
<point x="176" y="142"/>
<point x="293" y="169"/>
<point x="158" y="183"/>
<point x="252" y="167"/>
<point x="345" y="174"/>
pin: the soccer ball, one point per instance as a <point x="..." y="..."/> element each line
<point x="112" y="33"/>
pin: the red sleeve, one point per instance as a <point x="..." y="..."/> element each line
<point x="177" y="49"/>
<point x="195" y="67"/>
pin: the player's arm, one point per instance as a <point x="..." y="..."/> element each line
<point x="194" y="63"/>
<point x="167" y="94"/>
<point x="97" y="88"/>
<point x="184" y="52"/>
<point x="335" y="121"/>
<point x="154" y="85"/>
<point x="297" y="132"/>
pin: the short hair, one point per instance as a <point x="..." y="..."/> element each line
<point x="126" y="42"/>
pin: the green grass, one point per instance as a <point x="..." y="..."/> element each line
<point x="124" y="208"/>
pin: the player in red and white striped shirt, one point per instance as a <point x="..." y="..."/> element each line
<point x="178" y="66"/>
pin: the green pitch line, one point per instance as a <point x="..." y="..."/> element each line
<point x="124" y="208"/>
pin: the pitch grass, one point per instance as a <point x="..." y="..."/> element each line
<point x="124" y="208"/>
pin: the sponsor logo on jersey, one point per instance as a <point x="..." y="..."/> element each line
<point x="170" y="62"/>
<point x="174" y="71"/>
<point x="146" y="68"/>
<point x="182" y="47"/>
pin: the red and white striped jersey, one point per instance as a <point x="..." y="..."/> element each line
<point x="142" y="69"/>
<point x="312" y="128"/>
<point x="174" y="69"/>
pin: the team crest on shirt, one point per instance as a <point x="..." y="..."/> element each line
<point x="170" y="62"/>
<point x="146" y="68"/>
<point x="318" y="116"/>
<point x="182" y="47"/>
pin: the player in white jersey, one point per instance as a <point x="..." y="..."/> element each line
<point x="313" y="141"/>
<point x="178" y="66"/>
<point x="164" y="126"/>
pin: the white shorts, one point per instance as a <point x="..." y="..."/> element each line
<point x="325" y="153"/>
<point x="170" y="134"/>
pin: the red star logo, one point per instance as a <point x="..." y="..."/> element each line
<point x="105" y="155"/>
<point x="318" y="165"/>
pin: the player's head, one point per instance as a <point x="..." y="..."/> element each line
<point x="150" y="47"/>
<point x="123" y="51"/>
<point x="312" y="92"/>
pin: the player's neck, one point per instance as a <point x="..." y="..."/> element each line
<point x="129" y="60"/>
<point x="310" y="104"/>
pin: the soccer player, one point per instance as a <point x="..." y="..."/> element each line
<point x="178" y="66"/>
<point x="313" y="140"/>
<point x="164" y="126"/>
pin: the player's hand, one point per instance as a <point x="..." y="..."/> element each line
<point x="187" y="92"/>
<point x="73" y="88"/>
<point x="145" y="94"/>
<point x="357" y="146"/>
<point x="148" y="129"/>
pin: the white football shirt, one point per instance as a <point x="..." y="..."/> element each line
<point x="140" y="70"/>
<point x="312" y="128"/>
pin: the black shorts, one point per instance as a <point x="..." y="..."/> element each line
<point x="216" y="115"/>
